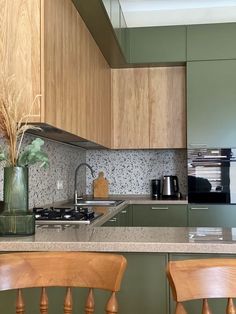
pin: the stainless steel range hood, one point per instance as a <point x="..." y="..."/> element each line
<point x="50" y="132"/>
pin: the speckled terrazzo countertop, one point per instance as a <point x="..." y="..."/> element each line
<point x="125" y="239"/>
<point x="146" y="199"/>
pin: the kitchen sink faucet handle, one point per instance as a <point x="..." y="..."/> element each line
<point x="76" y="172"/>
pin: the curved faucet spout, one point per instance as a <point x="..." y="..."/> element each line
<point x="76" y="173"/>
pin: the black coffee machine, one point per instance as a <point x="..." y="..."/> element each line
<point x="170" y="187"/>
<point x="156" y="189"/>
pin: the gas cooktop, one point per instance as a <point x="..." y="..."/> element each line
<point x="65" y="215"/>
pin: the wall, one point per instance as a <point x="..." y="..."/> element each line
<point x="63" y="160"/>
<point x="130" y="171"/>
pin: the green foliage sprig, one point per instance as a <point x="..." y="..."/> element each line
<point x="13" y="125"/>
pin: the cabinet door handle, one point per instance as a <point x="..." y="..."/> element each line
<point x="196" y="208"/>
<point x="113" y="220"/>
<point x="198" y="145"/>
<point x="124" y="212"/>
<point x="160" y="208"/>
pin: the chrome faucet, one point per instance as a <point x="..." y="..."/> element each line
<point x="76" y="172"/>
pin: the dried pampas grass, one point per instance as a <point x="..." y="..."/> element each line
<point x="13" y="123"/>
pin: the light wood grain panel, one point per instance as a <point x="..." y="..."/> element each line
<point x="53" y="62"/>
<point x="62" y="66"/>
<point x="20" y="49"/>
<point x="77" y="77"/>
<point x="96" y="98"/>
<point x="130" y="108"/>
<point x="167" y="107"/>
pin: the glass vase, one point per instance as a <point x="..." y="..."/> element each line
<point x="16" y="219"/>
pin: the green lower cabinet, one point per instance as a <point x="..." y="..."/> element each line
<point x="112" y="222"/>
<point x="125" y="217"/>
<point x="206" y="215"/>
<point x="144" y="288"/>
<point x="160" y="215"/>
<point x="218" y="306"/>
<point x="122" y="219"/>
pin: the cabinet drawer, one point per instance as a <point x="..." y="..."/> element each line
<point x="212" y="216"/>
<point x="161" y="215"/>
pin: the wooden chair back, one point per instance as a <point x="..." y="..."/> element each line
<point x="203" y="279"/>
<point x="62" y="269"/>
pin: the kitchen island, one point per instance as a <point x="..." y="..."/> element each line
<point x="125" y="239"/>
<point x="148" y="249"/>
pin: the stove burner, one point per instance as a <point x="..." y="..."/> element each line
<point x="64" y="214"/>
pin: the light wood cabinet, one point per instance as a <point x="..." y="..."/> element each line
<point x="167" y="107"/>
<point x="20" y="51"/>
<point x="149" y="108"/>
<point x="51" y="52"/>
<point x="130" y="109"/>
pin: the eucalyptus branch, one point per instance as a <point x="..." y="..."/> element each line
<point x="14" y="124"/>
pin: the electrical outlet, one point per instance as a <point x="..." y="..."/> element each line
<point x="59" y="185"/>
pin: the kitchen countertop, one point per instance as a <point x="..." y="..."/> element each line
<point x="125" y="239"/>
<point x="146" y="199"/>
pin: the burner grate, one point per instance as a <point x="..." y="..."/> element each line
<point x="64" y="214"/>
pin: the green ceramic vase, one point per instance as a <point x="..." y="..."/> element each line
<point x="16" y="189"/>
<point x="16" y="219"/>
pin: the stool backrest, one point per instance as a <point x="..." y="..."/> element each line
<point x="203" y="279"/>
<point x="62" y="269"/>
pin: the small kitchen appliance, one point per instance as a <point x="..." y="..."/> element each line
<point x="65" y="215"/>
<point x="170" y="187"/>
<point x="156" y="189"/>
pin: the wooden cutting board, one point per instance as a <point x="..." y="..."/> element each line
<point x="100" y="186"/>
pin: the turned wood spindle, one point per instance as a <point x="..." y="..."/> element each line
<point x="20" y="305"/>
<point x="43" y="302"/>
<point x="89" y="307"/>
<point x="68" y="302"/>
<point x="230" y="307"/>
<point x="205" y="307"/>
<point x="112" y="304"/>
<point x="180" y="309"/>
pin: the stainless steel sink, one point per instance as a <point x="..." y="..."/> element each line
<point x="108" y="203"/>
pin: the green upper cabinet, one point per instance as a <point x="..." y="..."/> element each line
<point x="157" y="44"/>
<point x="211" y="103"/>
<point x="211" y="42"/>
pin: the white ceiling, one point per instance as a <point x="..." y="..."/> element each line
<point x="140" y="13"/>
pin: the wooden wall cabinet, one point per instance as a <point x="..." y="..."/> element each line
<point x="48" y="48"/>
<point x="149" y="108"/>
<point x="130" y="108"/>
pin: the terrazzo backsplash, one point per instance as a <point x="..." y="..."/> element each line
<point x="130" y="171"/>
<point x="63" y="159"/>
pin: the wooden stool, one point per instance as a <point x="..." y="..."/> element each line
<point x="62" y="269"/>
<point x="203" y="279"/>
